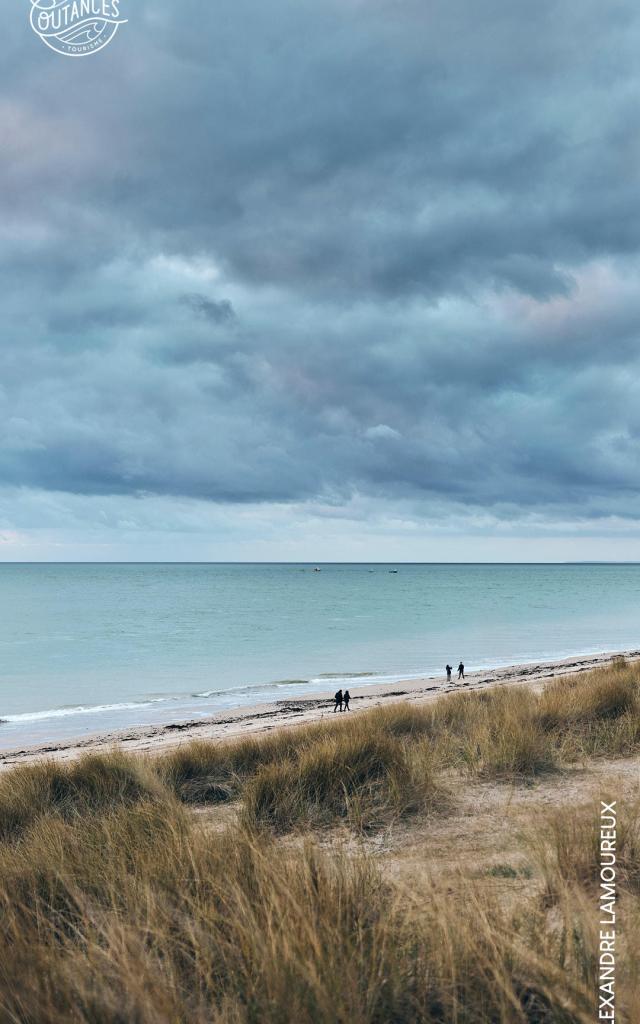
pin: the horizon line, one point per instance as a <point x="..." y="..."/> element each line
<point x="153" y="561"/>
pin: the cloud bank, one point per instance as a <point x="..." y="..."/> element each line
<point x="268" y="266"/>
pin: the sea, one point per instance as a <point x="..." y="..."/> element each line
<point x="87" y="648"/>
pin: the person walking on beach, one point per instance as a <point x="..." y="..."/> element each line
<point x="460" y="671"/>
<point x="449" y="670"/>
<point x="338" y="702"/>
<point x="346" y="699"/>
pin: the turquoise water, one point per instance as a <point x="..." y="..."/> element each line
<point x="89" y="647"/>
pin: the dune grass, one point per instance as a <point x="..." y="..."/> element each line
<point x="594" y="715"/>
<point x="117" y="905"/>
<point x="93" y="783"/>
<point x="139" y="915"/>
<point x="359" y="779"/>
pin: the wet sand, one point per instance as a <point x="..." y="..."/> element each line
<point x="261" y="718"/>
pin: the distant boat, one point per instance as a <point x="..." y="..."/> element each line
<point x="393" y="570"/>
<point x="317" y="570"/>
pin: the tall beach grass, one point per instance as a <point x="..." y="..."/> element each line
<point x="141" y="915"/>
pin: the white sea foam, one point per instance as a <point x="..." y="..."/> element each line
<point x="38" y="716"/>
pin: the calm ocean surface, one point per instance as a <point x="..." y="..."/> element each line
<point x="91" y="647"/>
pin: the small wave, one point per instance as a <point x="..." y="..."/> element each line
<point x="252" y="688"/>
<point x="326" y="676"/>
<point x="372" y="678"/>
<point x="37" y="716"/>
<point x="320" y="682"/>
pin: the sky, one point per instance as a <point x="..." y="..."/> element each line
<point x="337" y="280"/>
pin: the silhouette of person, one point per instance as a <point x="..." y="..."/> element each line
<point x="460" y="671"/>
<point x="449" y="670"/>
<point x="338" y="701"/>
<point x="346" y="699"/>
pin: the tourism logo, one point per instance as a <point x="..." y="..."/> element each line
<point x="78" y="28"/>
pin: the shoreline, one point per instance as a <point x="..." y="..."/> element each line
<point x="252" y="720"/>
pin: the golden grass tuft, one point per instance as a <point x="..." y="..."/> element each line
<point x="364" y="780"/>
<point x="93" y="783"/>
<point x="594" y="714"/>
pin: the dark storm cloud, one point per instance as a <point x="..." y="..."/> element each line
<point x="218" y="312"/>
<point x="277" y="252"/>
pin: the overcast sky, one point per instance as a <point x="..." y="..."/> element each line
<point x="323" y="279"/>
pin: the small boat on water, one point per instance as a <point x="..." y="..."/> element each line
<point x="317" y="570"/>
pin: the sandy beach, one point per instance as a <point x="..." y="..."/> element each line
<point x="261" y="718"/>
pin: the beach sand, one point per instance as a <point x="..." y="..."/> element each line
<point x="260" y="718"/>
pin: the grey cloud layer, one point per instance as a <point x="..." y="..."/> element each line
<point x="274" y="252"/>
